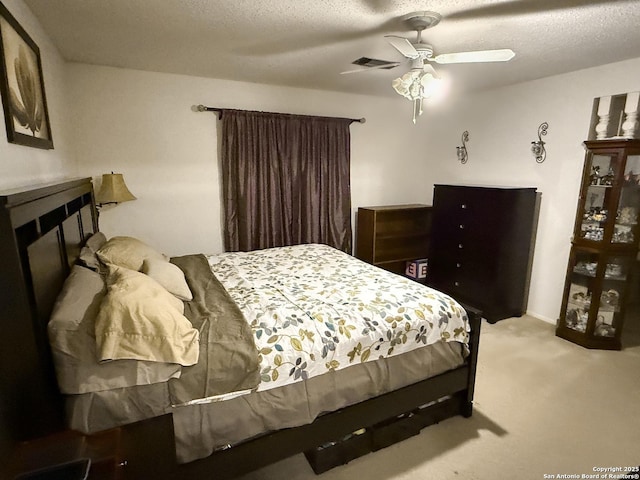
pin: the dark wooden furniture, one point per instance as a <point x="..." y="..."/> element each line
<point x="115" y="454"/>
<point x="379" y="435"/>
<point x="42" y="229"/>
<point x="482" y="241"/>
<point x="604" y="247"/>
<point x="389" y="236"/>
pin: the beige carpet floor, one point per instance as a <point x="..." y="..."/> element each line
<point x="543" y="406"/>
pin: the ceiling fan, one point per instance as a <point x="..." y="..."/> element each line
<point x="421" y="81"/>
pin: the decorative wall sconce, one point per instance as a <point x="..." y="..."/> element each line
<point x="113" y="190"/>
<point x="462" y="153"/>
<point x="537" y="148"/>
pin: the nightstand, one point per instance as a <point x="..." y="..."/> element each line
<point x="117" y="454"/>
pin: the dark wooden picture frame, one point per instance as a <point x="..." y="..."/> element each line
<point x="22" y="86"/>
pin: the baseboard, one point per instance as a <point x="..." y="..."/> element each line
<point x="537" y="316"/>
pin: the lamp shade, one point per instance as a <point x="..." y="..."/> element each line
<point x="113" y="189"/>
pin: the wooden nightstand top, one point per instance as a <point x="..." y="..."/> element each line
<point x="138" y="450"/>
<point x="103" y="450"/>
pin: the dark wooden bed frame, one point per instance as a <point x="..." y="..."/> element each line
<point x="42" y="229"/>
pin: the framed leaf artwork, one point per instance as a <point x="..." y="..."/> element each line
<point x="22" y="86"/>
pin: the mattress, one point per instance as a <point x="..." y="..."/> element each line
<point x="318" y="330"/>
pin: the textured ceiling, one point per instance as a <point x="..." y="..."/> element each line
<point x="307" y="43"/>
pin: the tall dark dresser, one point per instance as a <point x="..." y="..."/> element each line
<point x="482" y="241"/>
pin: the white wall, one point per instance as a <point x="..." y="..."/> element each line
<point x="21" y="165"/>
<point x="142" y="125"/>
<point x="502" y="124"/>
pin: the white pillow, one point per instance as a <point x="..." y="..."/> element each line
<point x="168" y="275"/>
<point x="127" y="252"/>
<point x="140" y="320"/>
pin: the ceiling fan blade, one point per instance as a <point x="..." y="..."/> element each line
<point x="510" y="8"/>
<point x="403" y="46"/>
<point x="301" y="39"/>
<point x="502" y="55"/>
<point x="387" y="66"/>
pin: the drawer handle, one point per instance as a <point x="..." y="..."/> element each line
<point x="457" y="284"/>
<point x="460" y="245"/>
<point x="123" y="463"/>
<point x="464" y="205"/>
<point x="461" y="227"/>
<point x="458" y="265"/>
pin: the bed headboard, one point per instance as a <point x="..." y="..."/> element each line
<point x="42" y="229"/>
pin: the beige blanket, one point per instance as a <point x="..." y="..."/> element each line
<point x="140" y="320"/>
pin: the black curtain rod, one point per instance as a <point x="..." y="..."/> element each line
<point x="202" y="108"/>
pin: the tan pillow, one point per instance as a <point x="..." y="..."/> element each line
<point x="139" y="319"/>
<point x="127" y="252"/>
<point x="96" y="241"/>
<point x="73" y="344"/>
<point x="168" y="275"/>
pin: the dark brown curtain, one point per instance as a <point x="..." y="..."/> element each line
<point x="285" y="180"/>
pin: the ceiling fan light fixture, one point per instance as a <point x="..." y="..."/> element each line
<point x="417" y="85"/>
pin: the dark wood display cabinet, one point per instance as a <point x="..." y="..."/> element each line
<point x="389" y="236"/>
<point x="482" y="242"/>
<point x="604" y="248"/>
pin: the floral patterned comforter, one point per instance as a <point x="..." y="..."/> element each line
<point x="313" y="309"/>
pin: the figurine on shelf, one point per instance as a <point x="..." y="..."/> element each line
<point x="586" y="268"/>
<point x="604" y="328"/>
<point x="595" y="175"/>
<point x="583" y="299"/>
<point x="631" y="178"/>
<point x="622" y="234"/>
<point x="600" y="215"/>
<point x="576" y="319"/>
<point x="592" y="232"/>
<point x="627" y="216"/>
<point x="614" y="271"/>
<point x="608" y="178"/>
<point x="610" y="298"/>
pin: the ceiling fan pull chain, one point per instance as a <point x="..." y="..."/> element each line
<point x="417" y="108"/>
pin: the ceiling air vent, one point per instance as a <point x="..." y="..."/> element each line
<point x="374" y="62"/>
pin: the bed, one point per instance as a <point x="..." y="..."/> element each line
<point x="306" y="382"/>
